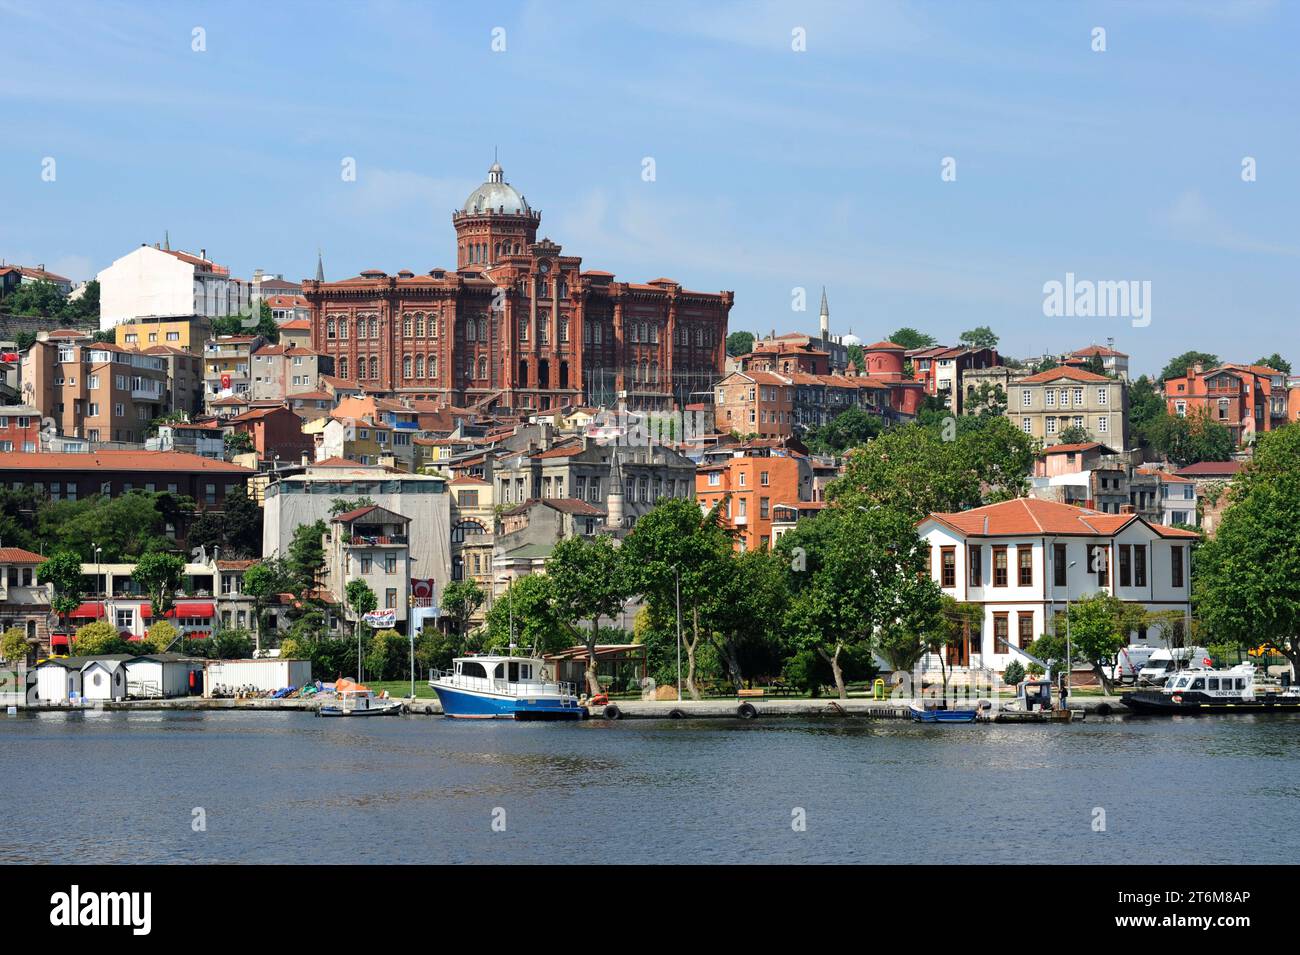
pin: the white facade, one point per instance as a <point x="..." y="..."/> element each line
<point x="56" y="683"/>
<point x="1041" y="572"/>
<point x="265" y="675"/>
<point x="104" y="680"/>
<point x="153" y="282"/>
<point x="158" y="677"/>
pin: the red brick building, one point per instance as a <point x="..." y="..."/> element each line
<point x="1244" y="398"/>
<point x="519" y="324"/>
<point x="750" y="481"/>
<point x="274" y="431"/>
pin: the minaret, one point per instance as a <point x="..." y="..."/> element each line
<point x="826" y="317"/>
<point x="320" y="268"/>
<point x="614" y="500"/>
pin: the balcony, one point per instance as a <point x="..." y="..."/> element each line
<point x="391" y="540"/>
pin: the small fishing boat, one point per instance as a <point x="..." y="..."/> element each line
<point x="503" y="687"/>
<point x="923" y="715"/>
<point x="353" y="699"/>
<point x="1199" y="691"/>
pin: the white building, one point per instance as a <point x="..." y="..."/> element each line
<point x="151" y="282"/>
<point x="1023" y="560"/>
<point x="162" y="675"/>
<point x="104" y="678"/>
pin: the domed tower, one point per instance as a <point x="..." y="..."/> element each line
<point x="885" y="360"/>
<point x="494" y="222"/>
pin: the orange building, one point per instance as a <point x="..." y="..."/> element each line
<point x="750" y="480"/>
<point x="1243" y="398"/>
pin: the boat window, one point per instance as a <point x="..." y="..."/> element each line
<point x="500" y="671"/>
<point x="525" y="671"/>
<point x="471" y="668"/>
<point x="1198" y="684"/>
<point x="1241" y="683"/>
<point x="1214" y="683"/>
<point x="514" y="672"/>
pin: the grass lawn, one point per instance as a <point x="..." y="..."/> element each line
<point x="401" y="688"/>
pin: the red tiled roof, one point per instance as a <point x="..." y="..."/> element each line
<point x="562" y="450"/>
<point x="1099" y="350"/>
<point x="354" y="514"/>
<point x="884" y="346"/>
<point x="16" y="555"/>
<point x="337" y="462"/>
<point x="166" y="461"/>
<point x="1210" y="469"/>
<point x="298" y="324"/>
<point x="468" y="479"/>
<point x="1070" y="448"/>
<point x="1074" y="374"/>
<point x="1027" y="515"/>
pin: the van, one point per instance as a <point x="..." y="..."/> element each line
<point x="1129" y="661"/>
<point x="1162" y="663"/>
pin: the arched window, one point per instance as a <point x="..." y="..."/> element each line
<point x="654" y="372"/>
<point x="406" y="326"/>
<point x="329" y="328"/>
<point x="469" y="330"/>
<point x="343" y="366"/>
<point x="343" y="327"/>
<point x="374" y="368"/>
<point x="419" y="366"/>
<point x="374" y="328"/>
<point x="482" y="330"/>
<point x="466" y="528"/>
<point x="482" y="367"/>
<point x="406" y="366"/>
<point x="498" y="250"/>
<point x="419" y="324"/>
<point x="433" y="326"/>
<point x="433" y="366"/>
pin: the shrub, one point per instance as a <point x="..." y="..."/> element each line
<point x="97" y="638"/>
<point x="13" y="645"/>
<point x="161" y="637"/>
<point x="231" y="644"/>
<point x="388" y="656"/>
<point x="1014" y="673"/>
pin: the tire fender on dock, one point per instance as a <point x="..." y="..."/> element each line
<point x="612" y="712"/>
<point x="746" y="711"/>
<point x="675" y="714"/>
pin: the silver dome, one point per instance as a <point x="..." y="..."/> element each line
<point x="496" y="195"/>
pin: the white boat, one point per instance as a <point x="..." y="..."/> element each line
<point x="353" y="699"/>
<point x="503" y="687"/>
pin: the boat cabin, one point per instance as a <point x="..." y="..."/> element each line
<point x="1235" y="683"/>
<point x="510" y="669"/>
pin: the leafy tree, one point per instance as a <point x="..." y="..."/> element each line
<point x="17" y="505"/>
<point x="388" y="656"/>
<point x="1247" y="585"/>
<point x="750" y="596"/>
<point x="1144" y="405"/>
<point x="124" y="527"/>
<point x="1074" y="434"/>
<point x="910" y="338"/>
<point x="306" y="557"/>
<point x="979" y="337"/>
<point x="854" y="572"/>
<point x="361" y="601"/>
<point x="989" y="399"/>
<point x="25" y="340"/>
<point x="587" y="583"/>
<point x="1276" y="362"/>
<point x="13" y="645"/>
<point x="849" y="428"/>
<point x="460" y="599"/>
<point x="1191" y="439"/>
<point x="234" y="325"/>
<point x="740" y="343"/>
<point x="63" y="571"/>
<point x="96" y="638"/>
<point x="675" y="544"/>
<point x="161" y="636"/>
<point x="160" y="576"/>
<point x="526" y="607"/>
<point x="41" y="298"/>
<point x="238" y="442"/>
<point x="262" y="582"/>
<point x="341" y="505"/>
<point x="1099" y="627"/>
<point x="243" y="525"/>
<point x="1177" y="367"/>
<point x="857" y="357"/>
<point x="1094" y="364"/>
<point x="234" y="644"/>
<point x="947" y="625"/>
<point x="1014" y="673"/>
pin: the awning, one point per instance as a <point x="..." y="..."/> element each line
<point x="192" y="610"/>
<point x="58" y="639"/>
<point x="146" y="611"/>
<point x="91" y="610"/>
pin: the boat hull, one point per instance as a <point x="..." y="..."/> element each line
<point x="462" y="704"/>
<point x="328" y="710"/>
<point x="944" y="716"/>
<point x="1155" y="702"/>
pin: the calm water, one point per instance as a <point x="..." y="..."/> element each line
<point x="288" y="787"/>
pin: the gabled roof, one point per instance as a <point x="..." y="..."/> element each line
<point x="1210" y="469"/>
<point x="1064" y="371"/>
<point x="1032" y="516"/>
<point x="17" y="555"/>
<point x="566" y="505"/>
<point x="1071" y="448"/>
<point x="1100" y="351"/>
<point x="348" y="517"/>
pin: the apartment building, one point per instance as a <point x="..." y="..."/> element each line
<point x="94" y="390"/>
<point x="1045" y="404"/>
<point x="755" y="402"/>
<point x="943" y="368"/>
<point x="1243" y="398"/>
<point x="275" y="432"/>
<point x="1114" y="363"/>
<point x="20" y="428"/>
<point x="228" y="366"/>
<point x="158" y="282"/>
<point x="372" y="544"/>
<point x="184" y="377"/>
<point x="281" y="371"/>
<point x="142" y="333"/>
<point x="1024" y="561"/>
<point x="751" y="481"/>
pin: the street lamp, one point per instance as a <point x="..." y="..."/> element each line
<point x="677" y="576"/>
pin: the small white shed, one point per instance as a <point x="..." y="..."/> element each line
<point x="57" y="681"/>
<point x="104" y="678"/>
<point x="162" y="675"/>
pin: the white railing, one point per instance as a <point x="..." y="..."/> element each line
<point x="526" y="688"/>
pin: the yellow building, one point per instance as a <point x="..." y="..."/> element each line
<point x="187" y="333"/>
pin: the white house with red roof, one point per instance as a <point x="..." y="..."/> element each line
<point x="1024" y="560"/>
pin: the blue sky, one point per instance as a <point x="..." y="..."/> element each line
<point x="775" y="169"/>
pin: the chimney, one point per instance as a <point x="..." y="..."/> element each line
<point x="1127" y="509"/>
<point x="1196" y="369"/>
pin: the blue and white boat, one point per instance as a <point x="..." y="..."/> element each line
<point x="503" y="687"/>
<point x="922" y="715"/>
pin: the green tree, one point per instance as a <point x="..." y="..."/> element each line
<point x="740" y="343"/>
<point x="460" y="599"/>
<point x="238" y="442"/>
<point x="1276" y="362"/>
<point x="910" y="338"/>
<point x="263" y="582"/>
<point x="63" y="572"/>
<point x="1178" y="366"/>
<point x="97" y="638"/>
<point x="1247" y="581"/>
<point x="234" y="325"/>
<point x="341" y="505"/>
<point x="306" y="557"/>
<point x="162" y="635"/>
<point x="587" y="582"/>
<point x="675" y="544"/>
<point x="854" y="572"/>
<point x="1144" y="406"/>
<point x="849" y="428"/>
<point x="979" y="337"/>
<point x="13" y="645"/>
<point x="1099" y="627"/>
<point x="361" y="600"/>
<point x="1190" y="439"/>
<point x="525" y="612"/>
<point x="160" y="576"/>
<point x="233" y="644"/>
<point x="1074" y="434"/>
<point x="388" y="656"/>
<point x="989" y="399"/>
<point x="36" y="298"/>
<point x="242" y="518"/>
<point x="750" y="596"/>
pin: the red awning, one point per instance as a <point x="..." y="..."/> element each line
<point x="88" y="610"/>
<point x="192" y="610"/>
<point x="58" y="639"/>
<point x="146" y="611"/>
